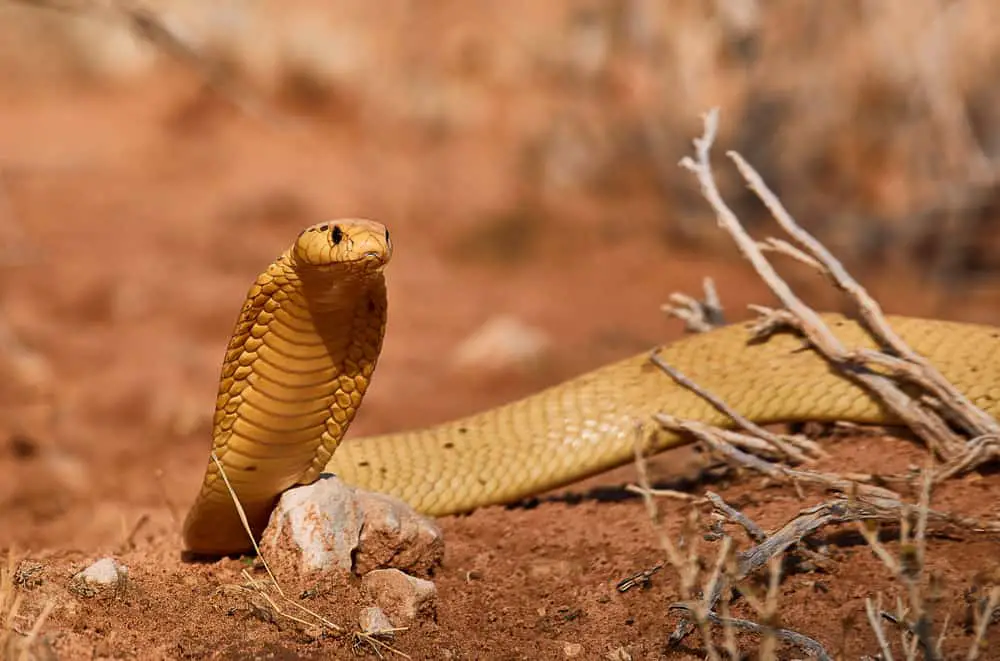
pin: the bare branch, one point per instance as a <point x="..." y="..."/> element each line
<point x="794" y="447"/>
<point x="799" y="640"/>
<point x="876" y="624"/>
<point x="975" y="420"/>
<point x="699" y="316"/>
<point x="722" y="442"/>
<point x="924" y="423"/>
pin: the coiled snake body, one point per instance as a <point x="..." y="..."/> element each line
<point x="309" y="335"/>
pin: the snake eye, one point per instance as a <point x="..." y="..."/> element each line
<point x="337" y="234"/>
<point x="387" y="236"/>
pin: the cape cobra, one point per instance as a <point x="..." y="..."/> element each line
<point x="309" y="335"/>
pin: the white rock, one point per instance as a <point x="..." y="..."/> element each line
<point x="401" y="596"/>
<point x="105" y="574"/>
<point x="332" y="526"/>
<point x="501" y="343"/>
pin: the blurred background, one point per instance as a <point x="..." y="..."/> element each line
<point x="154" y="159"/>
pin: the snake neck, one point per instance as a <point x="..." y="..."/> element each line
<point x="347" y="310"/>
<point x="300" y="361"/>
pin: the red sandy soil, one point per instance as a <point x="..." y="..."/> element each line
<point x="147" y="213"/>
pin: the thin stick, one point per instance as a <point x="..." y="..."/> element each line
<point x="876" y="625"/>
<point x="720" y="441"/>
<point x="808" y="521"/>
<point x="756" y="533"/>
<point x="662" y="493"/>
<point x="246" y="526"/>
<point x="975" y="420"/>
<point x="801" y="641"/>
<point x="246" y="522"/>
<point x="699" y="316"/>
<point x="925" y="423"/>
<point x="982" y="622"/>
<point x="787" y="445"/>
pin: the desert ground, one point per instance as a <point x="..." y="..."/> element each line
<point x="525" y="159"/>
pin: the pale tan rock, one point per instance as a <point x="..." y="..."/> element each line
<point x="402" y="597"/>
<point x="106" y="575"/>
<point x="374" y="620"/>
<point x="502" y="343"/>
<point x="332" y="526"/>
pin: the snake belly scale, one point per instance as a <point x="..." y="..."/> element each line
<point x="308" y="339"/>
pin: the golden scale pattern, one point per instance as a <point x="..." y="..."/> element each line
<point x="587" y="425"/>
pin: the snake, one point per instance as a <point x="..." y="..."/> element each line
<point x="308" y="338"/>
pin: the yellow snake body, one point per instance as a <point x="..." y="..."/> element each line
<point x="298" y="364"/>
<point x="567" y="432"/>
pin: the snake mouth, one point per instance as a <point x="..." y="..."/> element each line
<point x="373" y="260"/>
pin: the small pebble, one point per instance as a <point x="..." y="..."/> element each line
<point x="402" y="597"/>
<point x="373" y="620"/>
<point x="104" y="575"/>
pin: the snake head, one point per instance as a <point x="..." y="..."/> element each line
<point x="352" y="242"/>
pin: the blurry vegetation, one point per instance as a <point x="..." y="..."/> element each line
<point x="876" y="122"/>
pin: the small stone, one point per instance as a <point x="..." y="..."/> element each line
<point x="401" y="596"/>
<point x="572" y="649"/>
<point x="29" y="574"/>
<point x="502" y="343"/>
<point x="105" y="575"/>
<point x="332" y="526"/>
<point x="373" y="620"/>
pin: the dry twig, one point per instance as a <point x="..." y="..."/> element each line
<point x="803" y="642"/>
<point x="688" y="569"/>
<point x="973" y="419"/>
<point x="318" y="619"/>
<point x="794" y="447"/>
<point x="723" y="442"/>
<point x="926" y="423"/>
<point x="854" y="508"/>
<point x="699" y="316"/>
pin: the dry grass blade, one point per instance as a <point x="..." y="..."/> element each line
<point x="688" y="569"/>
<point x="319" y="619"/>
<point x="872" y="610"/>
<point x="36" y="629"/>
<point x="983" y="618"/>
<point x="909" y="568"/>
<point x="10" y="605"/>
<point x="243" y="519"/>
<point x="374" y="641"/>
